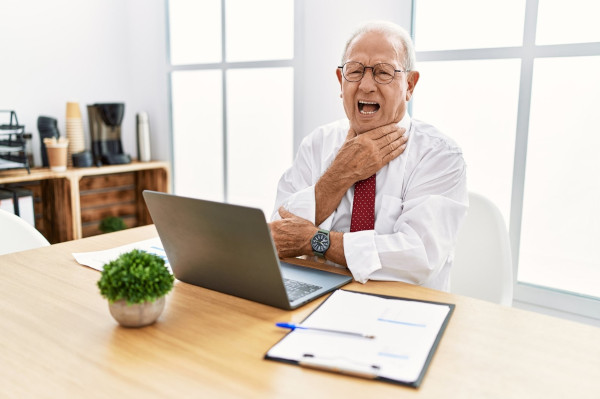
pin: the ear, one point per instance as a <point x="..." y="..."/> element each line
<point x="411" y="79"/>
<point x="338" y="72"/>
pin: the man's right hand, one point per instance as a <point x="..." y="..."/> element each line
<point x="360" y="157"/>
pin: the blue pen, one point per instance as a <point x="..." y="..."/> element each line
<point x="293" y="326"/>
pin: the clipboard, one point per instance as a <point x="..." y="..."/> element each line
<point x="386" y="338"/>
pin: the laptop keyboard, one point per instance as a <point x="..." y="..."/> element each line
<point x="297" y="289"/>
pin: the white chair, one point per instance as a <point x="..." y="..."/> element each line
<point x="482" y="261"/>
<point x="18" y="235"/>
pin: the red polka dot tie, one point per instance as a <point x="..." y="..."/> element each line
<point x="363" y="208"/>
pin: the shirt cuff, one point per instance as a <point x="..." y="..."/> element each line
<point x="361" y="254"/>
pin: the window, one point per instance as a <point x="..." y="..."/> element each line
<point x="577" y="22"/>
<point x="468" y="24"/>
<point x="480" y="113"/>
<point x="232" y="98"/>
<point x="562" y="191"/>
<point x="520" y="96"/>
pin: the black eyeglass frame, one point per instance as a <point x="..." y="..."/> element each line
<point x="372" y="68"/>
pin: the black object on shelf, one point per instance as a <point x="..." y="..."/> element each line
<point x="105" y="128"/>
<point x="82" y="159"/>
<point x="48" y="128"/>
<point x="13" y="153"/>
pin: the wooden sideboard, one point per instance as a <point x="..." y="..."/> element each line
<point x="70" y="205"/>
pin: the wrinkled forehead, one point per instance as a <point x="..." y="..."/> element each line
<point x="377" y="46"/>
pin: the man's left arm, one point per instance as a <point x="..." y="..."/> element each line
<point x="424" y="232"/>
<point x="293" y="234"/>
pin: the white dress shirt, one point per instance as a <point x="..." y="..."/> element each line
<point x="420" y="201"/>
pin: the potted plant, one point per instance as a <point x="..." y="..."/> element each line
<point x="112" y="223"/>
<point x="135" y="285"/>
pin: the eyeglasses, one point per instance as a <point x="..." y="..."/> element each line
<point x="382" y="73"/>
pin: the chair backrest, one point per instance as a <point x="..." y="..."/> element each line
<point x="18" y="235"/>
<point x="482" y="261"/>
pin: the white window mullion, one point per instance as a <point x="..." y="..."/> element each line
<point x="520" y="157"/>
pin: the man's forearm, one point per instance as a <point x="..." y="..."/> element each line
<point x="292" y="236"/>
<point x="335" y="253"/>
<point x="329" y="191"/>
<point x="359" y="157"/>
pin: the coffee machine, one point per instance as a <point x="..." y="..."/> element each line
<point x="105" y="128"/>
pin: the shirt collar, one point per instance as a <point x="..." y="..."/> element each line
<point x="405" y="122"/>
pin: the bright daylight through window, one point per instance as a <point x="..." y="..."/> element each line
<point x="232" y="103"/>
<point x="515" y="82"/>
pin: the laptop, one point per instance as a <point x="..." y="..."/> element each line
<point x="228" y="248"/>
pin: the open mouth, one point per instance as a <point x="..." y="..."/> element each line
<point x="367" y="107"/>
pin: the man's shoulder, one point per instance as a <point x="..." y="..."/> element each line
<point x="430" y="136"/>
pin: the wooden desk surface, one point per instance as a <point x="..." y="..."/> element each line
<point x="58" y="340"/>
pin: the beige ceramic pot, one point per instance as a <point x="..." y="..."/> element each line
<point x="138" y="314"/>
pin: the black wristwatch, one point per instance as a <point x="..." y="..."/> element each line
<point x="320" y="242"/>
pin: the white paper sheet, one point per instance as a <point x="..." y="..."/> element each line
<point x="98" y="259"/>
<point x="405" y="332"/>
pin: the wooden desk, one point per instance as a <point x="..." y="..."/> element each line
<point x="58" y="340"/>
<point x="60" y="195"/>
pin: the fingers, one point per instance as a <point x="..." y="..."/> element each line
<point x="284" y="213"/>
<point x="396" y="136"/>
<point x="394" y="145"/>
<point x="370" y="151"/>
<point x="291" y="234"/>
<point x="391" y="142"/>
<point x="395" y="149"/>
<point x="381" y="131"/>
<point x="385" y="135"/>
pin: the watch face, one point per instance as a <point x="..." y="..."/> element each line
<point x="320" y="242"/>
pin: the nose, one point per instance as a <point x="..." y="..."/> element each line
<point x="367" y="83"/>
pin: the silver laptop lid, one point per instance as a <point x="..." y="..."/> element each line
<point x="223" y="247"/>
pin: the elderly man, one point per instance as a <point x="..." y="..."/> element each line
<point x="379" y="193"/>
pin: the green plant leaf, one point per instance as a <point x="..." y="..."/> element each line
<point x="112" y="223"/>
<point x="136" y="276"/>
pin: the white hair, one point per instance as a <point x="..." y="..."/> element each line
<point x="393" y="31"/>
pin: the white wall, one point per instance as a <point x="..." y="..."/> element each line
<point x="55" y="51"/>
<point x="87" y="51"/>
<point x="326" y="26"/>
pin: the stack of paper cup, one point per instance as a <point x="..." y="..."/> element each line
<point x="74" y="131"/>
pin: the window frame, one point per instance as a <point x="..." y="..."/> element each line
<point x="224" y="66"/>
<point x="528" y="296"/>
